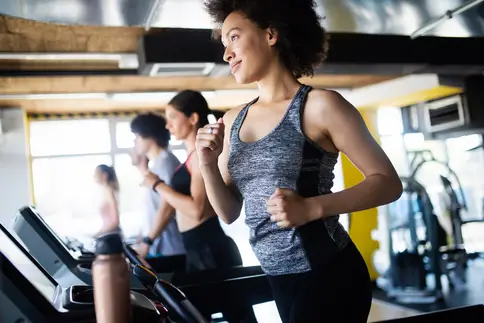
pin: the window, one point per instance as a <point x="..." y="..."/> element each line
<point x="69" y="137"/>
<point x="390" y="129"/>
<point x="175" y="142"/>
<point x="181" y="154"/>
<point x="124" y="136"/>
<point x="64" y="191"/>
<point x="394" y="147"/>
<point x="131" y="195"/>
<point x="64" y="156"/>
<point x="389" y="121"/>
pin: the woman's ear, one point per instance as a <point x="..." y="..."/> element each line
<point x="194" y="118"/>
<point x="272" y="36"/>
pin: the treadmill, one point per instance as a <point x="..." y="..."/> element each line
<point x="67" y="264"/>
<point x="247" y="286"/>
<point x="40" y="299"/>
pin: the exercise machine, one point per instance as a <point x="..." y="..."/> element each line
<point x="455" y="208"/>
<point x="247" y="286"/>
<point x="420" y="253"/>
<point x="39" y="298"/>
<point x="454" y="255"/>
<point x="414" y="272"/>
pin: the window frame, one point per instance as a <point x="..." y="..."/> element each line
<point x="115" y="150"/>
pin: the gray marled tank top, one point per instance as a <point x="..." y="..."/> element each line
<point x="285" y="158"/>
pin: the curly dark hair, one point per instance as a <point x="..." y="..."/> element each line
<point x="153" y="126"/>
<point x="302" y="40"/>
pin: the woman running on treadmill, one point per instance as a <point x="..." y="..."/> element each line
<point x="277" y="153"/>
<point x="106" y="177"/>
<point x="206" y="244"/>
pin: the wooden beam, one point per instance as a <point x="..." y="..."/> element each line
<point x="21" y="35"/>
<point x="86" y="84"/>
<point x="78" y="106"/>
<point x="42" y="65"/>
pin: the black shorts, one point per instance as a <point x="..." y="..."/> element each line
<point x="339" y="292"/>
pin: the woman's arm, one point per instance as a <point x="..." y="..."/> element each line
<point x="113" y="205"/>
<point x="222" y="193"/>
<point x="347" y="130"/>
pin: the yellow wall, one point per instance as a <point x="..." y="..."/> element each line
<point x="29" y="158"/>
<point x="362" y="223"/>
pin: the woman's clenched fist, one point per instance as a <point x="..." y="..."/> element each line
<point x="209" y="142"/>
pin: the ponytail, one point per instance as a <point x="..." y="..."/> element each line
<point x="111" y="176"/>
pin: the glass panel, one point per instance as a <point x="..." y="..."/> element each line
<point x="124" y="136"/>
<point x="65" y="193"/>
<point x="69" y="137"/>
<point x="468" y="166"/>
<point x="174" y="142"/>
<point x="389" y="121"/>
<point x="395" y="149"/>
<point x="131" y="196"/>
<point x="181" y="154"/>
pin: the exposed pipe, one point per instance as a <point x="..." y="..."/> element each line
<point x="448" y="15"/>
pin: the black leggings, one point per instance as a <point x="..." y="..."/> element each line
<point x="339" y="292"/>
<point x="208" y="247"/>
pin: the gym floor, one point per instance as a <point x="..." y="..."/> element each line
<point x="380" y="310"/>
<point x="471" y="293"/>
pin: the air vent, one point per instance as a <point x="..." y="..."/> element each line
<point x="181" y="69"/>
<point x="444" y="114"/>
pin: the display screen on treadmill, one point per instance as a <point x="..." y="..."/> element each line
<point x="48" y="227"/>
<point x="28" y="268"/>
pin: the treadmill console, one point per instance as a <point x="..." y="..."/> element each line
<point x="39" y="298"/>
<point x="36" y="233"/>
<point x="64" y="259"/>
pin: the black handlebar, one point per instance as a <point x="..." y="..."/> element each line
<point x="170" y="295"/>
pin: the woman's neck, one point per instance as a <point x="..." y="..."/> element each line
<point x="278" y="84"/>
<point x="190" y="142"/>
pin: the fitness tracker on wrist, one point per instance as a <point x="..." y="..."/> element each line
<point x="148" y="241"/>
<point x="156" y="184"/>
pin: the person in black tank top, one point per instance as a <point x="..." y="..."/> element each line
<point x="206" y="244"/>
<point x="277" y="153"/>
<point x="181" y="178"/>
